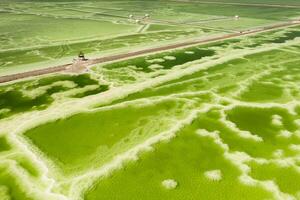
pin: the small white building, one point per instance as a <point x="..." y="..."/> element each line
<point x="236" y="17"/>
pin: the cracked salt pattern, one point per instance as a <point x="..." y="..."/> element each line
<point x="241" y="103"/>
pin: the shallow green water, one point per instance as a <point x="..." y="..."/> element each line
<point x="185" y="159"/>
<point x="173" y="125"/>
<point x="107" y="133"/>
<point x="16" y="98"/>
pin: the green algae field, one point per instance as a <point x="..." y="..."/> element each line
<point x="209" y="119"/>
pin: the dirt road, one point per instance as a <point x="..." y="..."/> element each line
<point x="92" y="62"/>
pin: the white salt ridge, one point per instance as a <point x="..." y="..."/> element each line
<point x="4" y="110"/>
<point x="284" y="162"/>
<point x="272" y="187"/>
<point x="295" y="147"/>
<point x="297" y="133"/>
<point x="169" y="184"/>
<point x="277" y="121"/>
<point x="41" y="90"/>
<point x="214" y="135"/>
<point x="189" y="52"/>
<point x="28" y="182"/>
<point x="278" y="153"/>
<point x="213" y="175"/>
<point x="247" y="180"/>
<point x="170" y="58"/>
<point x="297" y="122"/>
<point x="156" y="66"/>
<point x="287" y="78"/>
<point x="285" y="134"/>
<point x="156" y="60"/>
<point x="244" y="85"/>
<point x="239" y="158"/>
<point x="75" y="91"/>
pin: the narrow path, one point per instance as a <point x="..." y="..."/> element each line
<point x="95" y="61"/>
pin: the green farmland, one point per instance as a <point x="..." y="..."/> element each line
<point x="214" y="120"/>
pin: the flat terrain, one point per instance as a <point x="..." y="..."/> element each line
<point x="184" y="107"/>
<point x="49" y="34"/>
<point x="77" y="67"/>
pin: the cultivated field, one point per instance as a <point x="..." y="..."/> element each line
<point x="215" y="121"/>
